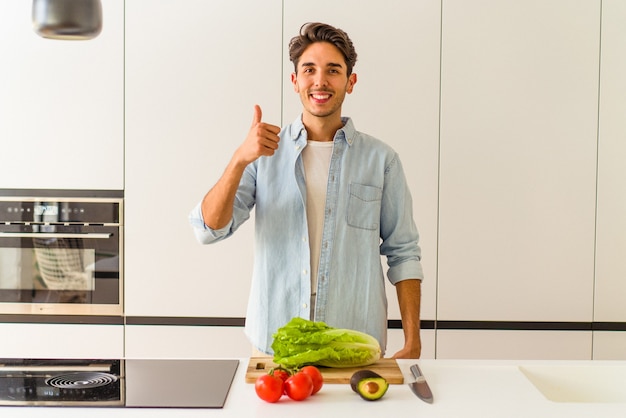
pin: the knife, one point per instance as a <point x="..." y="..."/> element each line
<point x="420" y="386"/>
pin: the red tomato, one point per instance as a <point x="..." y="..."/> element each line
<point x="269" y="388"/>
<point x="316" y="377"/>
<point x="280" y="373"/>
<point x="299" y="386"/>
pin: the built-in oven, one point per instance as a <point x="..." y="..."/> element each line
<point x="61" y="255"/>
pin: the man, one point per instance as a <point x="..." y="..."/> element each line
<point x="329" y="200"/>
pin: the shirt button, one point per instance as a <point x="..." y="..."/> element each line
<point x="303" y="239"/>
<point x="304" y="305"/>
<point x="304" y="272"/>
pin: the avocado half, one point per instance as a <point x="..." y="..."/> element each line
<point x="369" y="385"/>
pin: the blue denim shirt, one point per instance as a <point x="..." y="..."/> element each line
<point x="368" y="214"/>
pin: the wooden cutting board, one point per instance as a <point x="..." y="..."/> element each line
<point x="387" y="368"/>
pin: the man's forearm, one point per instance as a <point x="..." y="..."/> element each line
<point x="217" y="205"/>
<point x="409" y="299"/>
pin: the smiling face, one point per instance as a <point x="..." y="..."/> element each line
<point x="322" y="81"/>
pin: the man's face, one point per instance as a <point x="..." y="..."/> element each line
<point x="322" y="80"/>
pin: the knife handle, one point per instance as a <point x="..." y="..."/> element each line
<point x="415" y="369"/>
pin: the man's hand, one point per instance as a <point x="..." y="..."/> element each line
<point x="414" y="351"/>
<point x="217" y="206"/>
<point x="262" y="140"/>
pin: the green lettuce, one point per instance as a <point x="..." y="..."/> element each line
<point x="301" y="342"/>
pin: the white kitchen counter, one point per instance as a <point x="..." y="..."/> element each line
<point x="461" y="388"/>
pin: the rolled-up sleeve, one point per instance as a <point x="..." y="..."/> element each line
<point x="398" y="230"/>
<point x="203" y="233"/>
<point x="244" y="202"/>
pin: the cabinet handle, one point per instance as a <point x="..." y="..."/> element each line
<point x="53" y="235"/>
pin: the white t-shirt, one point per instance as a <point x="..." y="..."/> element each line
<point x="316" y="158"/>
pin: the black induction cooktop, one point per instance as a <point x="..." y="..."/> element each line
<point x="116" y="383"/>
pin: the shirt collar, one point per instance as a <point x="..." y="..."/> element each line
<point x="347" y="132"/>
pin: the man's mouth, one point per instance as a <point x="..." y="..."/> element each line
<point x="320" y="97"/>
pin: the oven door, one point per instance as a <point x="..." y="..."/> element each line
<point x="64" y="269"/>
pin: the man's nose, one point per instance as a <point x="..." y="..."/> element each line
<point x="320" y="80"/>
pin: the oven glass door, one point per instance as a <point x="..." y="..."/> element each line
<point x="60" y="264"/>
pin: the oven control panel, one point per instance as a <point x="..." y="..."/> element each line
<point x="60" y="211"/>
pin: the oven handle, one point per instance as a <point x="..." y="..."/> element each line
<point x="89" y="235"/>
<point x="5" y="368"/>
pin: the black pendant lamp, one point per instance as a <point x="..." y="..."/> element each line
<point x="67" y="19"/>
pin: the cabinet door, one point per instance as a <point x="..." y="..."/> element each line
<point x="514" y="345"/>
<point x="158" y="341"/>
<point x="61" y="104"/>
<point x="609" y="345"/>
<point x="194" y="71"/>
<point x="61" y="341"/>
<point x="396" y="98"/>
<point x="518" y="159"/>
<point x="611" y="239"/>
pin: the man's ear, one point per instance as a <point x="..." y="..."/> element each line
<point x="294" y="81"/>
<point x="351" y="82"/>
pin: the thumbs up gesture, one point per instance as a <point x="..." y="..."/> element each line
<point x="262" y="139"/>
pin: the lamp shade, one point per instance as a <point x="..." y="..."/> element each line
<point x="67" y="19"/>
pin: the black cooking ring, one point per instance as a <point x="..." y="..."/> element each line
<point x="81" y="380"/>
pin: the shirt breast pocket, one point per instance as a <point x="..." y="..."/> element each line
<point x="364" y="206"/>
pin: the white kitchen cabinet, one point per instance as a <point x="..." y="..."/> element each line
<point x="513" y="344"/>
<point x="396" y="98"/>
<point x="518" y="161"/>
<point x="164" y="341"/>
<point x="61" y="104"/>
<point x="194" y="71"/>
<point x="609" y="345"/>
<point x="61" y="341"/>
<point x="610" y="288"/>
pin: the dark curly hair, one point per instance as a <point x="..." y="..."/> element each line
<point x="311" y="33"/>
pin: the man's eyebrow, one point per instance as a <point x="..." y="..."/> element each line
<point x="330" y="64"/>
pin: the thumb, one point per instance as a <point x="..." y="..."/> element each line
<point x="257" y="115"/>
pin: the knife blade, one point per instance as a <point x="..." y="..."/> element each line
<point x="420" y="386"/>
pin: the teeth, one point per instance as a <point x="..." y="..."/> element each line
<point x="321" y="96"/>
